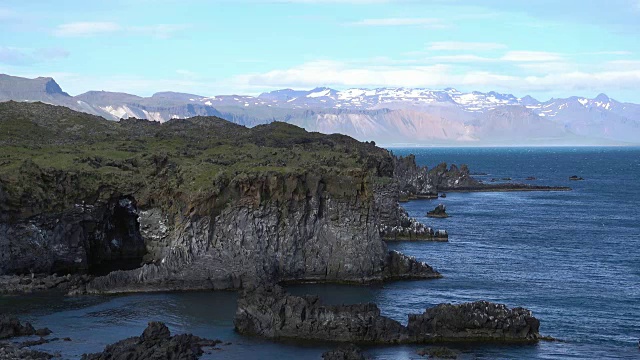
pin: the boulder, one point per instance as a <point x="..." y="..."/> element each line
<point x="156" y="342"/>
<point x="476" y="321"/>
<point x="576" y="178"/>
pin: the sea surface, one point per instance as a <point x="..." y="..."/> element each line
<point x="573" y="258"/>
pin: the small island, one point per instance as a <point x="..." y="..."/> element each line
<point x="439" y="212"/>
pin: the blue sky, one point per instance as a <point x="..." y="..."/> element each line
<point x="543" y="48"/>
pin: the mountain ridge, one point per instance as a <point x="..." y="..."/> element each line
<point x="385" y="115"/>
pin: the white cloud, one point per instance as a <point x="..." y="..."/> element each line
<point x="425" y="22"/>
<point x="87" y="29"/>
<point x="341" y="75"/>
<point x="531" y="56"/>
<point x="465" y="46"/>
<point x="463" y="58"/>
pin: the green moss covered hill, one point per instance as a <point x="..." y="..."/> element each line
<point x="52" y="157"/>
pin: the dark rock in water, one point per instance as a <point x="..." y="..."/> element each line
<point x="274" y="314"/>
<point x="348" y="352"/>
<point x="156" y="342"/>
<point x="575" y="178"/>
<point x="11" y="327"/>
<point x="531" y="178"/>
<point x="477" y="321"/>
<point x="443" y="195"/>
<point x="12" y="352"/>
<point x="439" y="212"/>
<point x="400" y="266"/>
<point x="438" y="353"/>
<point x="506" y="179"/>
<point x="43" y="332"/>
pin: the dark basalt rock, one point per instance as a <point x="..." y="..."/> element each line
<point x="348" y="352"/>
<point x="156" y="342"/>
<point x="443" y="195"/>
<point x="274" y="314"/>
<point x="506" y="179"/>
<point x="400" y="266"/>
<point x="531" y="178"/>
<point x="576" y="178"/>
<point x="11" y="327"/>
<point x="21" y="284"/>
<point x="477" y="321"/>
<point x="12" y="352"/>
<point x="439" y="212"/>
<point x="438" y="353"/>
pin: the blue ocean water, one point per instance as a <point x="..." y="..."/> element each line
<point x="573" y="258"/>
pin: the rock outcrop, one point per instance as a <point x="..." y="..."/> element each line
<point x="274" y="314"/>
<point x="438" y="353"/>
<point x="155" y="342"/>
<point x="347" y="352"/>
<point x="281" y="205"/>
<point x="439" y="212"/>
<point x="395" y="224"/>
<point x="477" y="321"/>
<point x="12" y="327"/>
<point x="9" y="351"/>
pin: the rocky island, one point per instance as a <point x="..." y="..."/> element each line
<point x="439" y="212"/>
<point x="272" y="313"/>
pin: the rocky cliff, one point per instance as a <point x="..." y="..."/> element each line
<point x="190" y="204"/>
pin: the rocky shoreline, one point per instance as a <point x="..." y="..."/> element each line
<point x="272" y="313"/>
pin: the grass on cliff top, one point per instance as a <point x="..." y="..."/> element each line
<point x="38" y="142"/>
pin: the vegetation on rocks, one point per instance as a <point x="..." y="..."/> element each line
<point x="52" y="157"/>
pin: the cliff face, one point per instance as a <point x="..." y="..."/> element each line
<point x="275" y="228"/>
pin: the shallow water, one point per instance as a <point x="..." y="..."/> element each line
<point x="570" y="257"/>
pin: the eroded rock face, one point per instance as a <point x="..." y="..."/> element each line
<point x="156" y="342"/>
<point x="80" y="239"/>
<point x="477" y="321"/>
<point x="298" y="228"/>
<point x="274" y="314"/>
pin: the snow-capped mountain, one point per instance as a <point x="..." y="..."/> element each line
<point x="386" y="115"/>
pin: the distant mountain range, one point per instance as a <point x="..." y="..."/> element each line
<point x="386" y="115"/>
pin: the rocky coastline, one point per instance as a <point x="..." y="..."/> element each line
<point x="275" y="205"/>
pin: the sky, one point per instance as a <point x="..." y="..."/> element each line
<point x="541" y="48"/>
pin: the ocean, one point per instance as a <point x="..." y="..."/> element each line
<point x="573" y="258"/>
